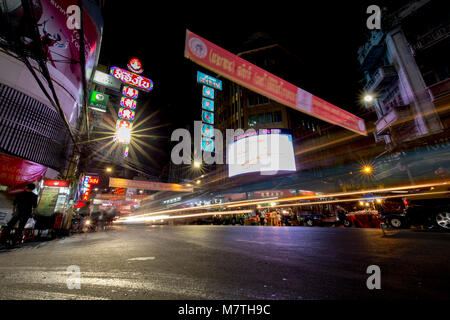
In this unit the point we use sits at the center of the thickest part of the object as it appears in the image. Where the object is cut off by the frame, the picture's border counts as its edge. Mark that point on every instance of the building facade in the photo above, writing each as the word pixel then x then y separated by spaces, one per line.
pixel 406 70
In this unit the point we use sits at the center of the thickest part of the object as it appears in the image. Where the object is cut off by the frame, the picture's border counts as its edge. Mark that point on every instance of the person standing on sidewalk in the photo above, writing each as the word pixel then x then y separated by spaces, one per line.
pixel 24 207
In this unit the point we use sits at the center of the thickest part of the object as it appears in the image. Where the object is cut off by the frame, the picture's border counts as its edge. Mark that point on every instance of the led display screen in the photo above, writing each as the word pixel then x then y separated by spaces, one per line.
pixel 266 151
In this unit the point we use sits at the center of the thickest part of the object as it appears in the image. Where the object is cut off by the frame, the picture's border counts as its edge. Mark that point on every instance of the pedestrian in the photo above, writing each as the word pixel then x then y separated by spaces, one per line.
pixel 261 218
pixel 24 207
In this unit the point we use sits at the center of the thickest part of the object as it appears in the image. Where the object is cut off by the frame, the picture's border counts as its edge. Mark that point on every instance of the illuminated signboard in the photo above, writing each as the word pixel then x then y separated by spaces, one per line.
pixel 131 78
pixel 98 101
pixel 208 104
pixel 130 92
pixel 126 114
pixel 56 183
pixel 106 80
pixel 208 117
pixel 135 65
pixel 208 144
pixel 246 74
pixel 207 130
pixel 266 150
pixel 124 124
pixel 209 81
pixel 208 92
pixel 86 186
pixel 128 103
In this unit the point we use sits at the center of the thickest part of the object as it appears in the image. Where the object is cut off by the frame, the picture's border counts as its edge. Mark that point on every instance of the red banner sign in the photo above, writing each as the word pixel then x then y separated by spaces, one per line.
pixel 56 183
pixel 132 78
pixel 16 171
pixel 248 75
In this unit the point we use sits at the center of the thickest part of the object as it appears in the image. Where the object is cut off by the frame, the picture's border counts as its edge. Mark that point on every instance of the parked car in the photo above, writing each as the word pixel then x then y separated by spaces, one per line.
pixel 430 213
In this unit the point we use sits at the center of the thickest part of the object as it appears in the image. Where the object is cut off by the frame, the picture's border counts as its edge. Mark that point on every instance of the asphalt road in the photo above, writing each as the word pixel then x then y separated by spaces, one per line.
pixel 230 262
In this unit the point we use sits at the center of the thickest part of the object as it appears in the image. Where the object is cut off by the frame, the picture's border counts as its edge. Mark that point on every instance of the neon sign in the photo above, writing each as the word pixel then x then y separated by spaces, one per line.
pixel 209 81
pixel 208 92
pixel 208 117
pixel 130 92
pixel 207 130
pixel 126 114
pixel 131 78
pixel 124 124
pixel 86 186
pixel 208 104
pixel 208 144
pixel 135 65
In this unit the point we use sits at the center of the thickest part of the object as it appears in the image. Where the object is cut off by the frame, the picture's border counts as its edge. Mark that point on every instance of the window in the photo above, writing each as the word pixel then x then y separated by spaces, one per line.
pixel 277 116
pixel 252 120
pixel 269 117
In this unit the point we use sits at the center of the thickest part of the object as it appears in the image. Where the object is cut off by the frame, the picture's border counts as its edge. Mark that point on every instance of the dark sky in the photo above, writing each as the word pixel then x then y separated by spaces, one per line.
pixel 324 34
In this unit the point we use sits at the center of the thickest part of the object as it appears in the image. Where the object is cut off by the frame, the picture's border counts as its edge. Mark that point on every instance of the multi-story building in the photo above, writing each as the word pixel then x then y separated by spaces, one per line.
pixel 406 70
pixel 318 145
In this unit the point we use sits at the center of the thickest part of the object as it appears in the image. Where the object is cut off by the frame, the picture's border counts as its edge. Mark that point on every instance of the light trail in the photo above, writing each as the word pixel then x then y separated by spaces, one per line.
pixel 196 208
pixel 343 194
pixel 167 217
pixel 351 200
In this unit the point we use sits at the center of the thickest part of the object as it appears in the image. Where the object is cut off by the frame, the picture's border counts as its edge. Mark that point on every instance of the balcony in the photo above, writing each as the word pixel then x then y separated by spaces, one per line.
pixel 439 90
pixel 398 115
pixel 381 78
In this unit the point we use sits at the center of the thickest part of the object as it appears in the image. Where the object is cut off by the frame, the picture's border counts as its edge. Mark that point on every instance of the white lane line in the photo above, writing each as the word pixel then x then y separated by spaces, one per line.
pixel 141 259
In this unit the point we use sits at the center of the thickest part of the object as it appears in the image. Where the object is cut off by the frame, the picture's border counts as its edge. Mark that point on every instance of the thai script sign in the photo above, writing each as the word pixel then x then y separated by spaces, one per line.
pixel 248 75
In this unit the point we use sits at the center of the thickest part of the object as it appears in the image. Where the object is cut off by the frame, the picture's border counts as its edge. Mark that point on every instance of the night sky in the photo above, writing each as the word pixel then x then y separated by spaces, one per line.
pixel 325 35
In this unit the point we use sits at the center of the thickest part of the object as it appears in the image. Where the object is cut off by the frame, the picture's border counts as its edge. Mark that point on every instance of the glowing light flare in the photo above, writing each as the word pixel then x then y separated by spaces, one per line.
pixel 123 135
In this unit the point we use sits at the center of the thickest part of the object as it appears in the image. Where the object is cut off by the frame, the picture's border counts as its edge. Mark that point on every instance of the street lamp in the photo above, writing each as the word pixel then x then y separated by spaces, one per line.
pixel 109 169
pixel 367 169
pixel 368 98
pixel 197 164
pixel 197 182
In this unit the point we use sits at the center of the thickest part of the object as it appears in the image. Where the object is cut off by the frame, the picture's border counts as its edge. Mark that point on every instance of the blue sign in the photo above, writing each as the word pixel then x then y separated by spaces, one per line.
pixel 207 145
pixel 208 92
pixel 209 81
pixel 208 104
pixel 207 130
pixel 208 117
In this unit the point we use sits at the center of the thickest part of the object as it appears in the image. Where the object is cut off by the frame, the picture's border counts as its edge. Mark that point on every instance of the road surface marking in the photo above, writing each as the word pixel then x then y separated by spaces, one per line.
pixel 141 259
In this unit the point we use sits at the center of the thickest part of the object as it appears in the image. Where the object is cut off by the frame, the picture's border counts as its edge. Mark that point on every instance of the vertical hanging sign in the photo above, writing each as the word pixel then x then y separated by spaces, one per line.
pixel 210 84
pixel 133 82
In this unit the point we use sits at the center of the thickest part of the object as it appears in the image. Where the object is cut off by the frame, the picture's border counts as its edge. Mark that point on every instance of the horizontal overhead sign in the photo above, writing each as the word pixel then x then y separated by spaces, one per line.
pixel 147 185
pixel 248 75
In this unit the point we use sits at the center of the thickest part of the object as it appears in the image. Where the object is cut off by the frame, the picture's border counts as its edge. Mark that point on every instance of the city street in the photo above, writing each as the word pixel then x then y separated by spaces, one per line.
pixel 230 262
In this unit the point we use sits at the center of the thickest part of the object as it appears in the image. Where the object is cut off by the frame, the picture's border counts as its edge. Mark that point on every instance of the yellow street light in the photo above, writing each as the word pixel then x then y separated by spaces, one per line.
pixel 367 169
pixel 197 182
pixel 197 164
pixel 109 169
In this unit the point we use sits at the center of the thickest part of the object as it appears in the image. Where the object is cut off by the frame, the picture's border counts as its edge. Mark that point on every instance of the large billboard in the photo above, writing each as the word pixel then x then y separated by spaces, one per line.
pixel 266 151
pixel 248 75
